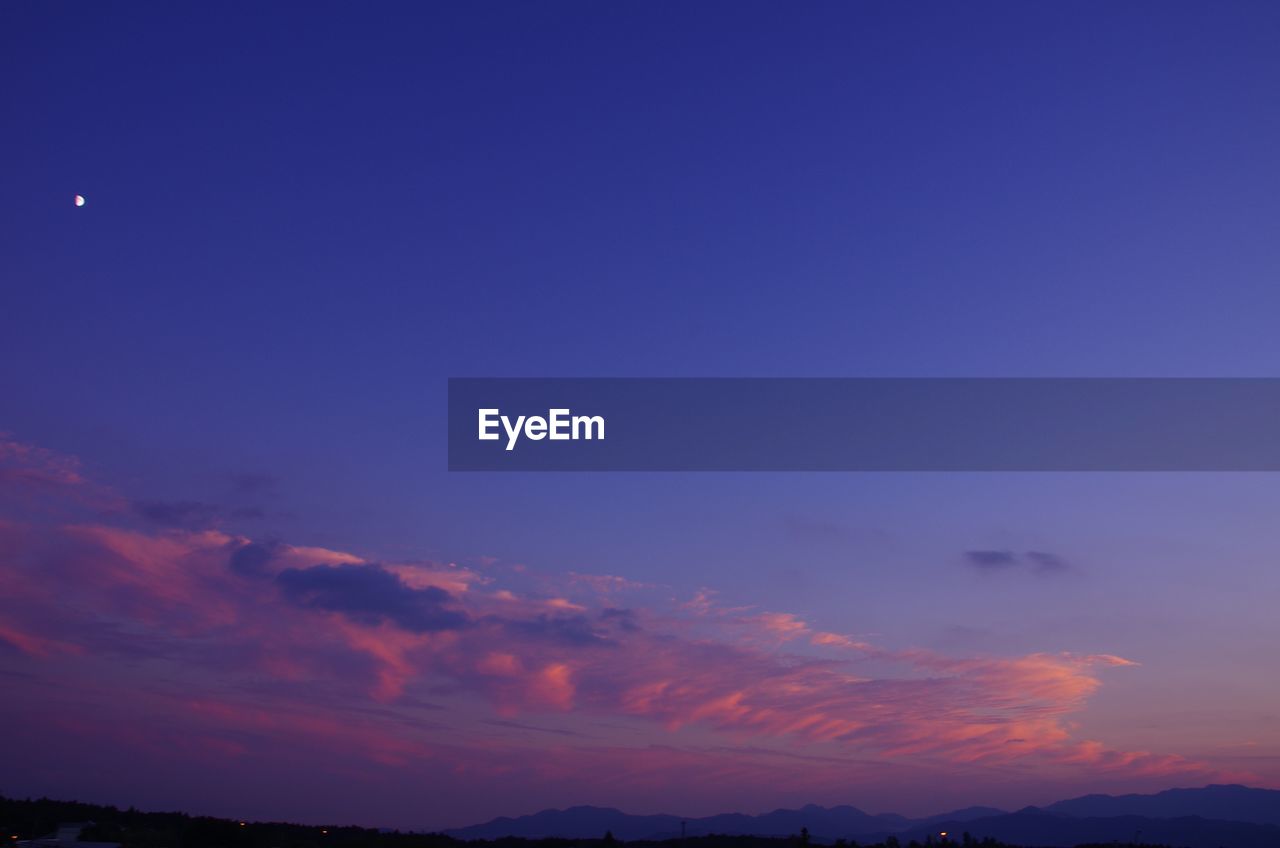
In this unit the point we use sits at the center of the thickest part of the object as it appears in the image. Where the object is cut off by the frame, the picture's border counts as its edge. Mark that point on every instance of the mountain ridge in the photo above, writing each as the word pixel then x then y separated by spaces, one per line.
pixel 1048 830
pixel 1211 809
pixel 1227 802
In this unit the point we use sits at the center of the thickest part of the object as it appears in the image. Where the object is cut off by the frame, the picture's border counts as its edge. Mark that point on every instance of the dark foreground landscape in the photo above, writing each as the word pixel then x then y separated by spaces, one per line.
pixel 1209 817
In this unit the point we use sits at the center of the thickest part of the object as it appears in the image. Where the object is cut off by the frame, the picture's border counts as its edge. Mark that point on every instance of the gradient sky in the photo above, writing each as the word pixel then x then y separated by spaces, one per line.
pixel 235 577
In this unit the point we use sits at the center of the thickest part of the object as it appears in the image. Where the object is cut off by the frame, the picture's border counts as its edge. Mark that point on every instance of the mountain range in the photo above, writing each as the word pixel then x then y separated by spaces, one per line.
pixel 1208 817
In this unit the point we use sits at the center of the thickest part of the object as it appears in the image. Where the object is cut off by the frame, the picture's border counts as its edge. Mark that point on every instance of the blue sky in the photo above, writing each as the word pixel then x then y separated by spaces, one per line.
pixel 301 219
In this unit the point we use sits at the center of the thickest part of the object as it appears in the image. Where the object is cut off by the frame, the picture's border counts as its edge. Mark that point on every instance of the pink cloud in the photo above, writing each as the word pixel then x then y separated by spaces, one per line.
pixel 558 656
pixel 351 666
pixel 28 464
pixel 33 645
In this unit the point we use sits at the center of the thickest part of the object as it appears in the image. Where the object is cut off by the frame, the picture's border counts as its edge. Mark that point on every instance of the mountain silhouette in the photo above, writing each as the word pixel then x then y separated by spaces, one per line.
pixel 1049 830
pixel 591 822
pixel 1208 817
pixel 1230 803
pixel 965 815
pixel 573 823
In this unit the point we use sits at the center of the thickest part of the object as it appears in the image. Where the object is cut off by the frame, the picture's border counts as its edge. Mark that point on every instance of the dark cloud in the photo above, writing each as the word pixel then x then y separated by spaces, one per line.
pixel 369 594
pixel 991 560
pixel 573 629
pixel 1041 562
pixel 251 560
pixel 623 618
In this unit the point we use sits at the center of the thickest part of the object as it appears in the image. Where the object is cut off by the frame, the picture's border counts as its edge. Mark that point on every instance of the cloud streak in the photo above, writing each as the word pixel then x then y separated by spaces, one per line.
pixel 360 619
pixel 994 561
pixel 259 642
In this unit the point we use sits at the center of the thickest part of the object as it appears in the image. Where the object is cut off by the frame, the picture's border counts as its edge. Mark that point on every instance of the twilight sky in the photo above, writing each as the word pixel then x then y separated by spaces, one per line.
pixel 235 577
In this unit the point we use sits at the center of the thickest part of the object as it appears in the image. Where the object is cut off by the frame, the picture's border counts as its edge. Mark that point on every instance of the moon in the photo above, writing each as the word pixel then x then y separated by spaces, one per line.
pixel 79 200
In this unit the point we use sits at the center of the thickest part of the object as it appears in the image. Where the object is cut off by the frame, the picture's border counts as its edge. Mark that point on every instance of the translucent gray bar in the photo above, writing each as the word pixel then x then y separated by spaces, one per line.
pixel 820 424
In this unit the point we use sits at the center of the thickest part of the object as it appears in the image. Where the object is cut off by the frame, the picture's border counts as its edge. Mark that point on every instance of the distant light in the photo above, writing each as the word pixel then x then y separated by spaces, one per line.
pixel 79 200
pixel 242 824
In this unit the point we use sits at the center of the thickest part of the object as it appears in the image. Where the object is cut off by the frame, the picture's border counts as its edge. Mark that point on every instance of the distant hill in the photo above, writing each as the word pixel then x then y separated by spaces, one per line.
pixel 573 823
pixel 1206 816
pixel 832 822
pixel 827 823
pixel 1041 828
pixel 965 815
pixel 1230 803
pixel 585 827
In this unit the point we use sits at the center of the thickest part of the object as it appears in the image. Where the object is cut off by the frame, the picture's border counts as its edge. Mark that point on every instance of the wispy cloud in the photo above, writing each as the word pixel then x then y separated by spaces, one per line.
pixel 1039 562
pixel 223 614
pixel 991 560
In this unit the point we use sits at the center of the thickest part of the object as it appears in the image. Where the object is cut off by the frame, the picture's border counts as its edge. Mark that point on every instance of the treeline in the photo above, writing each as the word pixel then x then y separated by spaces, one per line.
pixel 32 819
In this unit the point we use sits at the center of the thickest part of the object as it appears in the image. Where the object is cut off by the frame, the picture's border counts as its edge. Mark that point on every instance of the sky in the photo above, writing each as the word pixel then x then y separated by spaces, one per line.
pixel 237 579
